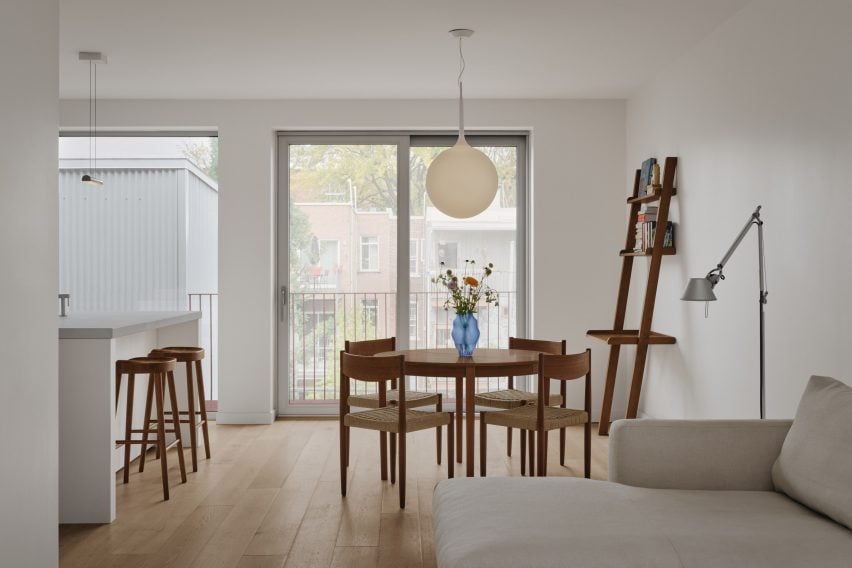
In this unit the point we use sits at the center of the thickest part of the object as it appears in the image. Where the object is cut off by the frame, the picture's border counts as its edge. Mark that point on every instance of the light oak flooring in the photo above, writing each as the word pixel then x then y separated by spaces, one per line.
pixel 270 497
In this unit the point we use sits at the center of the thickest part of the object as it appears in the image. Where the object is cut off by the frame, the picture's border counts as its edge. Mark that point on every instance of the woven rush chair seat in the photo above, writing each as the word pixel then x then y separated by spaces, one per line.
pixel 524 417
pixel 413 399
pixel 387 419
pixel 510 398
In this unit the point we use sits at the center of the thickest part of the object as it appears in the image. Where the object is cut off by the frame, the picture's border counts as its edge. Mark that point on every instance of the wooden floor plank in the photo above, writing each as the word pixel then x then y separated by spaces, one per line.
pixel 360 520
pixel 276 533
pixel 187 541
pixel 226 546
pixel 270 497
pixel 355 557
pixel 315 542
pixel 399 542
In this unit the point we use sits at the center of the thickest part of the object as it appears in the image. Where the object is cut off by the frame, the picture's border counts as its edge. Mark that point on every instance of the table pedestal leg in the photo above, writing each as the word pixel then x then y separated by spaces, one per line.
pixel 470 389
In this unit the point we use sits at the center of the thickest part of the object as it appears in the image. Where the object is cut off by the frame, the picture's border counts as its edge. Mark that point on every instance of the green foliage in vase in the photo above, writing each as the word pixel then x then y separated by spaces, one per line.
pixel 464 291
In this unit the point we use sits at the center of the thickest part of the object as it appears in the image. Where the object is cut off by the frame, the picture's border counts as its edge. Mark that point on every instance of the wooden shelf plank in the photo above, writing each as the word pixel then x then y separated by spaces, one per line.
pixel 648 198
pixel 668 251
pixel 629 337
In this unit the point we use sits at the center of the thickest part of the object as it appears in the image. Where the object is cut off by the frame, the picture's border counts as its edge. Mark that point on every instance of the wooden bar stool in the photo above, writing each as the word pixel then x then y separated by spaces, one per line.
pixel 160 371
pixel 196 416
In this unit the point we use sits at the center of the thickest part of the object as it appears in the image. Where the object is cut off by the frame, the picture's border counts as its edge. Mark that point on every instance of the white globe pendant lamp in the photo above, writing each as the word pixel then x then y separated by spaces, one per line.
pixel 461 181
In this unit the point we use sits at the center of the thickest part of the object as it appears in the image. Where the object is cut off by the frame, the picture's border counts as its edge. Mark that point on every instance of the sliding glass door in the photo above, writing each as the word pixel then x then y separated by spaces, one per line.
pixel 359 243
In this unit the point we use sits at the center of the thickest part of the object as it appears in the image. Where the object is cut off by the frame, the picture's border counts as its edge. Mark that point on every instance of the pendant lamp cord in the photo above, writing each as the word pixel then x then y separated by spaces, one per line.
pixel 93 118
pixel 91 149
pixel 462 65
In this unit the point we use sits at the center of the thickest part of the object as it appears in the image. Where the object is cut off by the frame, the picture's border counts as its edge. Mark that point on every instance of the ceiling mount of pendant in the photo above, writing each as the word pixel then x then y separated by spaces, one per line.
pixel 93 56
pixel 461 32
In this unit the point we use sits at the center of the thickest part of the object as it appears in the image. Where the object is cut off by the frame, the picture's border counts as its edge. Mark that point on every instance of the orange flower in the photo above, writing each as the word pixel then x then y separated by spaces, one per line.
pixel 471 281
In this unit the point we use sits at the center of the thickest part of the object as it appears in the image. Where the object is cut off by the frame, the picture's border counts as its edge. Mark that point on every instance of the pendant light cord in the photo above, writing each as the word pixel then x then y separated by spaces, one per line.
pixel 91 149
pixel 95 121
pixel 462 66
pixel 93 118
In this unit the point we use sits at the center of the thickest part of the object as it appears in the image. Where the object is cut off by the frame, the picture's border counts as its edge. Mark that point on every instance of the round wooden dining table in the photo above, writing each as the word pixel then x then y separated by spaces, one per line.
pixel 483 363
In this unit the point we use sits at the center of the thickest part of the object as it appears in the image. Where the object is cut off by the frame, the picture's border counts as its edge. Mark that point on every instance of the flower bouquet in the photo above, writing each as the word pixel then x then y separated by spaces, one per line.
pixel 465 292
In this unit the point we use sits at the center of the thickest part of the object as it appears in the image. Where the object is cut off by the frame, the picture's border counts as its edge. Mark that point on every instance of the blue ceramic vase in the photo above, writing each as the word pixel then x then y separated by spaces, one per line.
pixel 465 334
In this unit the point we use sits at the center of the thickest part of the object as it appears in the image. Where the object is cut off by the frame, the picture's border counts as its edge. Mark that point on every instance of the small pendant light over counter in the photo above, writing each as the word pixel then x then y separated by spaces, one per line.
pixel 93 58
pixel 461 181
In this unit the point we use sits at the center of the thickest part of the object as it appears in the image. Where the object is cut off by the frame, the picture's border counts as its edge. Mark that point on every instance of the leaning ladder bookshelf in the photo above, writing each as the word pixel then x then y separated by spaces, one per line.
pixel 643 337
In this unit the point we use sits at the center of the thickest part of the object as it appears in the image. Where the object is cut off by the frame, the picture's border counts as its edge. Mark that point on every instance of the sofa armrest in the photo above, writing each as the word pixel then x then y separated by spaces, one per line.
pixel 696 454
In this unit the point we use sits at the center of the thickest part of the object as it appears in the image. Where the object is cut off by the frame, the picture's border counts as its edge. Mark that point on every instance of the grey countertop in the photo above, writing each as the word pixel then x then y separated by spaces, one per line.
pixel 107 325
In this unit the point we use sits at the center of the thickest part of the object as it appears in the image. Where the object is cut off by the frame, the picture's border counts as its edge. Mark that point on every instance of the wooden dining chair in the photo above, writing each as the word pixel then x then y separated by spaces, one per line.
pixel 397 420
pixel 513 398
pixel 540 418
pixel 414 399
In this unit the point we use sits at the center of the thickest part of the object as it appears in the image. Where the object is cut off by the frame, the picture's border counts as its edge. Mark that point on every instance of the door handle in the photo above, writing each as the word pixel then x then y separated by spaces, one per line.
pixel 282 302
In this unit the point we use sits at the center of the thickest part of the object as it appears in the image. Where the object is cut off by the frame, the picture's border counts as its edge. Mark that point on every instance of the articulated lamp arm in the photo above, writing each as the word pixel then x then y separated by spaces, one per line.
pixel 716 275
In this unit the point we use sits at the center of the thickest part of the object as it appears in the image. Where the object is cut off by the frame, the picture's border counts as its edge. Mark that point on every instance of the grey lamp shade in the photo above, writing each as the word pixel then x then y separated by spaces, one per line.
pixel 699 290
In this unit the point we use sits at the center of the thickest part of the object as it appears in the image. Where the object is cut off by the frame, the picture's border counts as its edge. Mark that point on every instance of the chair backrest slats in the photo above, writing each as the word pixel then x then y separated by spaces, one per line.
pixel 565 367
pixel 371 369
pixel 540 345
pixel 370 346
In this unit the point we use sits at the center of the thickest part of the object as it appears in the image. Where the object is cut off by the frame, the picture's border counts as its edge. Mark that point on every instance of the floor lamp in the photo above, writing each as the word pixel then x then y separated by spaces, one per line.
pixel 701 290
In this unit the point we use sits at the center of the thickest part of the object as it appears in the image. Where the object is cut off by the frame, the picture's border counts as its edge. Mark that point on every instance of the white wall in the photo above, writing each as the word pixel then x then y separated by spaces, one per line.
pixel 29 33
pixel 578 166
pixel 760 112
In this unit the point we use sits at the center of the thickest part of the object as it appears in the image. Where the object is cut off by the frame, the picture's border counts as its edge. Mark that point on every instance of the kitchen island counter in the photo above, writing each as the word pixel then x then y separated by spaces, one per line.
pixel 107 325
pixel 89 345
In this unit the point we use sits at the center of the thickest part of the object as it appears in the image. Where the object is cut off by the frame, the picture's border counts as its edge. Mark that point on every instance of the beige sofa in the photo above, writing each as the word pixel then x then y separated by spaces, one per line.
pixel 681 494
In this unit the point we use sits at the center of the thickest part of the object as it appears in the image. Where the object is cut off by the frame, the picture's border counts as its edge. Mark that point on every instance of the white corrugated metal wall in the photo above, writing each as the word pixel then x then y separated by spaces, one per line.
pixel 141 242
pixel 202 206
pixel 119 244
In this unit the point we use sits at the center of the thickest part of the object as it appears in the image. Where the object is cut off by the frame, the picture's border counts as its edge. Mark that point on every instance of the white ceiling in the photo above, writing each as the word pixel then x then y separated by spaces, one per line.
pixel 377 48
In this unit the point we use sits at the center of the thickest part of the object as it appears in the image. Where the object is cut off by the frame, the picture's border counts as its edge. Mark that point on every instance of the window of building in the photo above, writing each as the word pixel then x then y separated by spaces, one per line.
pixel 370 253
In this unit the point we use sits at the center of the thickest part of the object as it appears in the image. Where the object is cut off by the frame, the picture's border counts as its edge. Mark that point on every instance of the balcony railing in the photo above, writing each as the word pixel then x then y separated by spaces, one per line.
pixel 208 304
pixel 321 322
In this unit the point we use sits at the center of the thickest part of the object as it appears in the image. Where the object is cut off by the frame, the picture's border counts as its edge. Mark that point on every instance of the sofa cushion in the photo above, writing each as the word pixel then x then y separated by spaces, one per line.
pixel 815 463
pixel 571 522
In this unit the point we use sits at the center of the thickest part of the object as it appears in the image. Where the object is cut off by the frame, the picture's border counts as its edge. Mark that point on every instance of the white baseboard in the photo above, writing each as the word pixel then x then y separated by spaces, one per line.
pixel 223 417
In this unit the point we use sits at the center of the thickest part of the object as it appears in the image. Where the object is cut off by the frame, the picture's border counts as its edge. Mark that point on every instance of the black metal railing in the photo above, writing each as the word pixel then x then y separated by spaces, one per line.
pixel 321 322
pixel 208 304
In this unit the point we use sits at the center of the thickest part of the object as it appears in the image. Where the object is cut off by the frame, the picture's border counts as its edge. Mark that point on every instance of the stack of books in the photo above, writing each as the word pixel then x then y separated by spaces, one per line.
pixel 646 230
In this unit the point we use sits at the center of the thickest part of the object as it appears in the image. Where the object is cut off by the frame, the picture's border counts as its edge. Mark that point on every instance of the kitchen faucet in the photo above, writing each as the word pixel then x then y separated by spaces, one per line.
pixel 64 300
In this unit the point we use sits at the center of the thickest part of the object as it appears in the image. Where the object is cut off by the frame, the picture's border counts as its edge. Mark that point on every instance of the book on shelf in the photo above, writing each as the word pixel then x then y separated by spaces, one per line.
pixel 647 213
pixel 645 175
pixel 646 232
